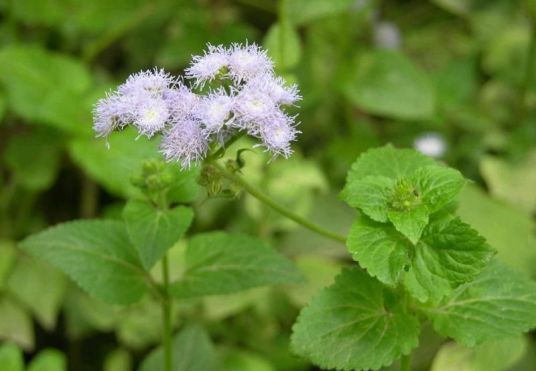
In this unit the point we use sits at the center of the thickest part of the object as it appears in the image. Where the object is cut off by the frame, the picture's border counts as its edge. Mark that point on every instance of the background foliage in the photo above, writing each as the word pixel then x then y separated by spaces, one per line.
pixel 371 72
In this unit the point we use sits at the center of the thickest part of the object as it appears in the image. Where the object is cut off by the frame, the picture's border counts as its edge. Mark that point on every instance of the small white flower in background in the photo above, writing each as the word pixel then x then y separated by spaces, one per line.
pixel 387 36
pixel 248 97
pixel 431 144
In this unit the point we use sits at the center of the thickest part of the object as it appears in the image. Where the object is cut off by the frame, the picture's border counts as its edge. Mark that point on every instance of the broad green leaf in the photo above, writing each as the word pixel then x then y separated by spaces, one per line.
pixel 507 229
pixel 449 253
pixel 114 165
pixel 283 45
pixel 15 324
pixel 499 303
pixel 222 263
pixel 378 248
pixel 39 287
pixel 35 158
pixel 96 254
pixel 372 195
pixel 44 87
pixel 387 83
pixel 153 231
pixel 11 358
pixel 192 351
pixel 410 223
pixel 48 360
pixel 389 162
pixel 437 186
pixel 491 356
pixel 354 324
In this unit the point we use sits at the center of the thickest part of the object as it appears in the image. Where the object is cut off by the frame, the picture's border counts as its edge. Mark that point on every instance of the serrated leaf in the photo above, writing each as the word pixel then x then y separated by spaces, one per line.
pixel 410 223
pixel 387 83
pixel 48 360
pixel 449 253
pixel 153 231
pixel 11 358
pixel 389 162
pixel 437 186
pixel 223 263
pixel 192 351
pixel 381 250
pixel 349 325
pixel 372 195
pixel 97 254
pixel 499 303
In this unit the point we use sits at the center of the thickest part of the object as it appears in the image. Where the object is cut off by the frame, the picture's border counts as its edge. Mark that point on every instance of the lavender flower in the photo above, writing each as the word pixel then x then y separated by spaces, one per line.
pixel 206 67
pixel 247 62
pixel 249 98
pixel 215 110
pixel 185 143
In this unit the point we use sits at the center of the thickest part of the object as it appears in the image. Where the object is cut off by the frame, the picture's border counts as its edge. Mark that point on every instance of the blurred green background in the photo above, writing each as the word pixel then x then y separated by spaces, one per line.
pixel 455 78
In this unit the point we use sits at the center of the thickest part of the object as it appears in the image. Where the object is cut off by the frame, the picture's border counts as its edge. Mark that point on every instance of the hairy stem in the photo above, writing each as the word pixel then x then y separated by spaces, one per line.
pixel 166 316
pixel 252 190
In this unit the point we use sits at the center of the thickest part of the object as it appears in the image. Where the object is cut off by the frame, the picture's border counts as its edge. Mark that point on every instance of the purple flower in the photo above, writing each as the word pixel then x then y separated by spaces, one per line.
pixel 215 110
pixel 151 83
pixel 185 143
pixel 205 68
pixel 277 135
pixel 182 102
pixel 111 113
pixel 150 116
pixel 247 62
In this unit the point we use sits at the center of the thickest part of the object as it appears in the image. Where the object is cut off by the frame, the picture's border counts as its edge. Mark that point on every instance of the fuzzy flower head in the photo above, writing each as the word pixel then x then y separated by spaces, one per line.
pixel 244 95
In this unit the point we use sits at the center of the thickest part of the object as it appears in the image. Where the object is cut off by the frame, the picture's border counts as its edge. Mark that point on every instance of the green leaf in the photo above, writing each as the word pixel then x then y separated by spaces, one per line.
pixel 8 254
pixel 372 195
pixel 192 351
pixel 381 250
pixel 410 223
pixel 354 324
pixel 118 360
pixel 491 356
pixel 509 230
pixel 115 165
pixel 449 253
pixel 35 158
pixel 387 83
pixel 389 162
pixel 499 303
pixel 48 360
pixel 222 263
pixel 246 361
pixel 46 87
pixel 283 45
pixel 15 324
pixel 11 358
pixel 305 11
pixel 96 254
pixel 437 186
pixel 153 231
pixel 39 287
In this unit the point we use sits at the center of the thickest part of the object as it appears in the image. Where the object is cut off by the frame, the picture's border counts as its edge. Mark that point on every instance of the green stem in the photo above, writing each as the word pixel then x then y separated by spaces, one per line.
pixel 405 362
pixel 252 190
pixel 166 316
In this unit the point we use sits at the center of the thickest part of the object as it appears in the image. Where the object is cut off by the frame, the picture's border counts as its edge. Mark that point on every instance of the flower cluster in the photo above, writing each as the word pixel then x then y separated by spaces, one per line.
pixel 232 89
